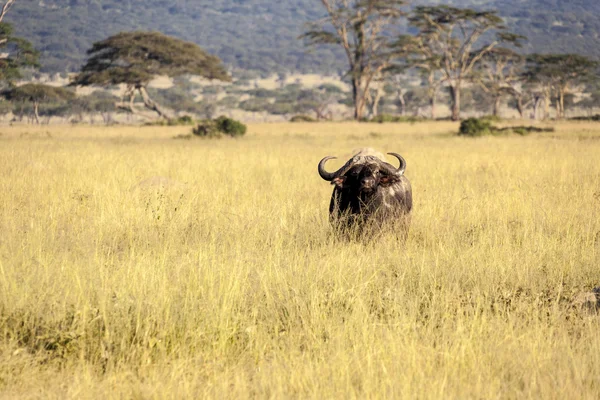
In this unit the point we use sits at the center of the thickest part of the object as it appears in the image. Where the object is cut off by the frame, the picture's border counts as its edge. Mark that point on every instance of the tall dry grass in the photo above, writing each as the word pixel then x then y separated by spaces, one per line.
pixel 224 280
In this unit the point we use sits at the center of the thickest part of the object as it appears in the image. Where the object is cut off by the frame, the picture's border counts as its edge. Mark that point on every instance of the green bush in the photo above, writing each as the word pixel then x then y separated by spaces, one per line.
pixel 230 126
pixel 179 121
pixel 183 120
pixel 476 127
pixel 207 129
pixel 595 117
pixel 302 118
pixel 219 127
pixel 482 126
pixel 381 118
pixel 526 130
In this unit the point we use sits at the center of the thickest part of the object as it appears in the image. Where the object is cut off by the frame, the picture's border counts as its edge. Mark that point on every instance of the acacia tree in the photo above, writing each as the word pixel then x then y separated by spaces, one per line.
pixel 15 53
pixel 98 102
pixel 451 36
pixel 37 94
pixel 500 73
pixel 135 58
pixel 359 27
pixel 558 75
pixel 417 52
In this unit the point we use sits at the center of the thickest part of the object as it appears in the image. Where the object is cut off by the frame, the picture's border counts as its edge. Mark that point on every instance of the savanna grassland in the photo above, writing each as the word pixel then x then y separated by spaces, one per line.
pixel 136 265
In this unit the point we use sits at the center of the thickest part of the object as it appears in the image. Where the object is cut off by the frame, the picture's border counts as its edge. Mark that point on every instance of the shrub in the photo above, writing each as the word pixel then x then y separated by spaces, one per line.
pixel 381 118
pixel 179 121
pixel 476 127
pixel 183 120
pixel 230 126
pixel 207 129
pixel 302 118
pixel 525 130
pixel 218 127
pixel 595 117
pixel 481 126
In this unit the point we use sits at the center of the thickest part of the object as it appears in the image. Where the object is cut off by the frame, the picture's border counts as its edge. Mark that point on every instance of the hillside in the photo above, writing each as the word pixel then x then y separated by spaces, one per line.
pixel 262 34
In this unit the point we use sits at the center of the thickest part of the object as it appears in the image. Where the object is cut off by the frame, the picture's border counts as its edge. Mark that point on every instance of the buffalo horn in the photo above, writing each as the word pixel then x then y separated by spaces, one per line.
pixel 401 168
pixel 328 176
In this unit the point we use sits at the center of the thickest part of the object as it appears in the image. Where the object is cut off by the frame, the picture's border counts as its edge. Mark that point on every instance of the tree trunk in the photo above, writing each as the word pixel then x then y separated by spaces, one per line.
pixel 536 105
pixel 36 112
pixel 151 104
pixel 455 96
pixel 432 103
pixel 561 104
pixel 355 97
pixel 496 107
pixel 375 107
pixel 376 100
pixel 106 118
pixel 546 105
pixel 127 106
pixel 320 112
pixel 402 101
pixel 520 107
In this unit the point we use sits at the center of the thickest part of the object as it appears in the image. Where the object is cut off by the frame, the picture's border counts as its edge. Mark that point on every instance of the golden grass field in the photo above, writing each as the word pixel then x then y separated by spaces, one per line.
pixel 225 280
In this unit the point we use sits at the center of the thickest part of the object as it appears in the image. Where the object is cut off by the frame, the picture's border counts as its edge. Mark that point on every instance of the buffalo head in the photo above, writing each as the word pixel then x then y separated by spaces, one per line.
pixel 368 189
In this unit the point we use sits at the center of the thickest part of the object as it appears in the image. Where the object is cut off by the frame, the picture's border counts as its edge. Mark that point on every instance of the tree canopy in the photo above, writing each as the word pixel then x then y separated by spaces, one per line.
pixel 455 40
pixel 135 58
pixel 260 35
pixel 36 94
pixel 359 28
pixel 558 74
pixel 16 52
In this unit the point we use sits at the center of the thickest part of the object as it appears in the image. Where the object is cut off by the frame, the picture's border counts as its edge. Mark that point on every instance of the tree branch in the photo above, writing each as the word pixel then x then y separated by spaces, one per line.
pixel 5 8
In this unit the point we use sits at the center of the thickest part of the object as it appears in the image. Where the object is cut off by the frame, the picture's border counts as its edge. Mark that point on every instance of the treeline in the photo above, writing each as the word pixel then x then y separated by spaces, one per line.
pixel 459 56
pixel 451 48
pixel 261 35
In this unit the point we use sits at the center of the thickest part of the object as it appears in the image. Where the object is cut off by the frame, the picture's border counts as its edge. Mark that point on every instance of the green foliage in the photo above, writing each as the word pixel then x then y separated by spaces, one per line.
pixel 96 102
pixel 560 69
pixel 63 30
pixel 255 105
pixel 6 107
pixel 184 120
pixel 229 102
pixel 359 28
pixel 230 126
pixel 595 117
pixel 207 129
pixel 302 118
pixel 381 118
pixel 293 99
pixel 475 127
pixel 38 93
pixel 19 53
pixel 217 128
pixel 526 130
pixel 134 58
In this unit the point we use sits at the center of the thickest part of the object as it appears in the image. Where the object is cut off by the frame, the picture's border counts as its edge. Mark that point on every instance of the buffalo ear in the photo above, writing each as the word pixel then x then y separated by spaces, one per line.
pixel 339 182
pixel 388 180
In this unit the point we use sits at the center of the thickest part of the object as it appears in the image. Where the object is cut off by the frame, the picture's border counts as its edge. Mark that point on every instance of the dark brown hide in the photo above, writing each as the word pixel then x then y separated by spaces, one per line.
pixel 368 193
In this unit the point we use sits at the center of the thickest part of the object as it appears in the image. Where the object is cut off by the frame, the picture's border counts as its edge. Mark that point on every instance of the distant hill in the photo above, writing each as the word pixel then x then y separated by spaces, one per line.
pixel 262 34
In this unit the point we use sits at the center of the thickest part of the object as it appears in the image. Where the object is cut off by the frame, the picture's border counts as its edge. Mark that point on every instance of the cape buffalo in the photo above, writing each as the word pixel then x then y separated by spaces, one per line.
pixel 368 192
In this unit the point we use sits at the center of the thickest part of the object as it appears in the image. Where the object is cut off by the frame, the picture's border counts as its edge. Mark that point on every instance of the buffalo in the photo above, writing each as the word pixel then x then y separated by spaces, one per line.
pixel 369 192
